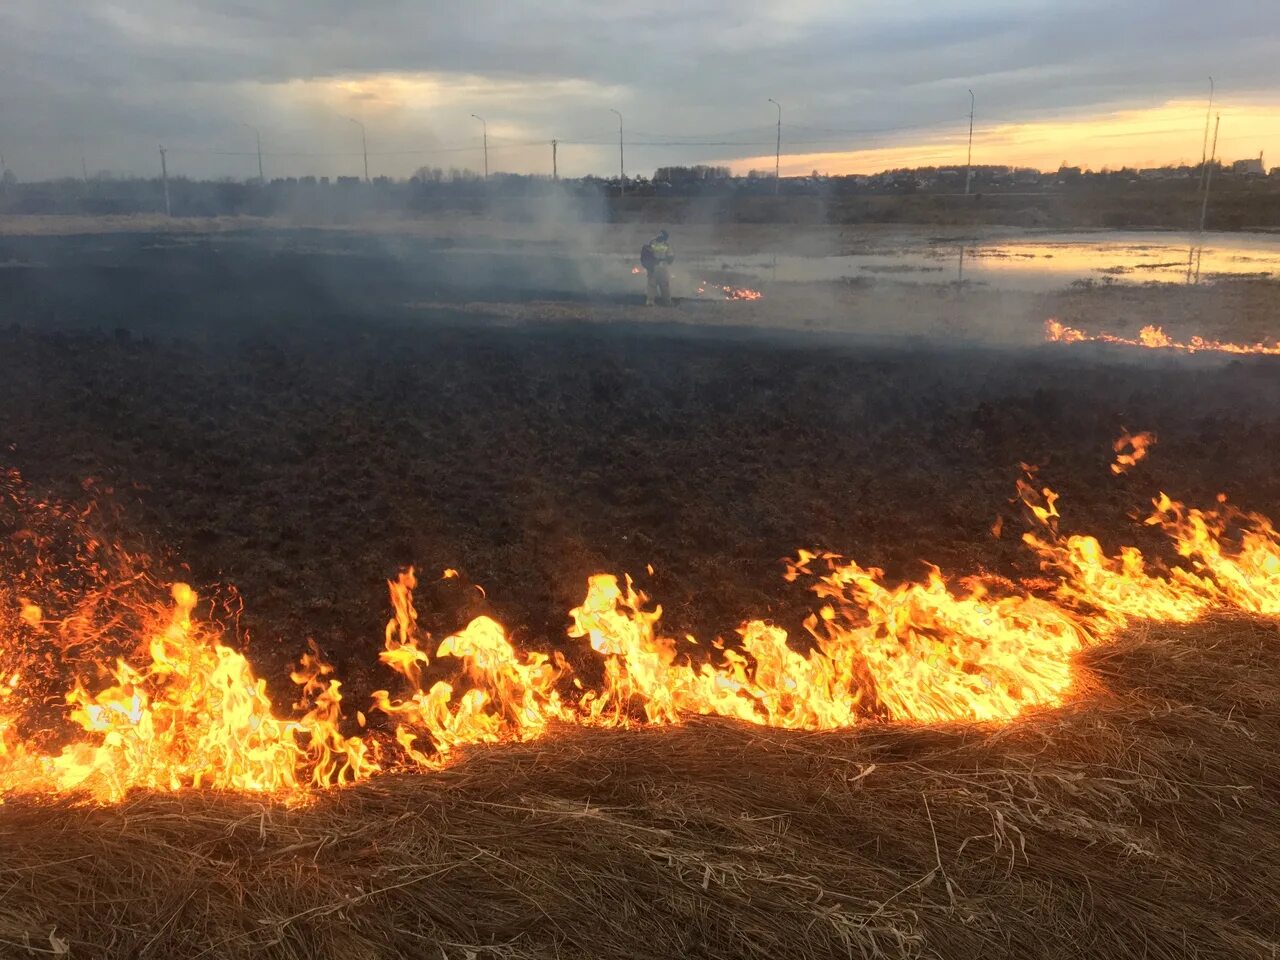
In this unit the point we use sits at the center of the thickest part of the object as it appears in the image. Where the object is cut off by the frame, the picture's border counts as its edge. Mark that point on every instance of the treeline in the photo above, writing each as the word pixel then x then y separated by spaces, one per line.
pixel 998 195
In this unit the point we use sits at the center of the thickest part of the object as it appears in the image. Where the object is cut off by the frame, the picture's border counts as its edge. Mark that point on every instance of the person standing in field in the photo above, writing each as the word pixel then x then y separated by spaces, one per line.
pixel 656 258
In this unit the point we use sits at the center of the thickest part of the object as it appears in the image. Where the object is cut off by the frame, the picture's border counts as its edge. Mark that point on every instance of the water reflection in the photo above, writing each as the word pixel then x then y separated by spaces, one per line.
pixel 1193 256
pixel 1039 263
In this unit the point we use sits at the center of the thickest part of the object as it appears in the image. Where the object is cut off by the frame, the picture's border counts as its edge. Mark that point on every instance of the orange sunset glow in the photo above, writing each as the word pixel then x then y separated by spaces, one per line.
pixel 1141 137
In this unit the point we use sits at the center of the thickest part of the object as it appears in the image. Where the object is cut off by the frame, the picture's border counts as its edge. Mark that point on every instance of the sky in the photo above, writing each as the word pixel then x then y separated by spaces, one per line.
pixel 99 85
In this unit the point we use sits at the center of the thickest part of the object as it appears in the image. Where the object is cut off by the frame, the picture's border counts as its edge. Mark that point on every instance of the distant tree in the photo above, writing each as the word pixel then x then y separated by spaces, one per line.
pixel 694 174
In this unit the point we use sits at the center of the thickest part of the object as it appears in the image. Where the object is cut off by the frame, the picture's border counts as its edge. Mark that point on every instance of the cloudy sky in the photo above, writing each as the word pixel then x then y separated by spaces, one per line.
pixel 863 85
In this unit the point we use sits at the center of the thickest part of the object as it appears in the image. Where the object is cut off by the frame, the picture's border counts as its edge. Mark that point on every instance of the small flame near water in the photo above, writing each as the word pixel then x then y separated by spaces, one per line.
pixel 1154 338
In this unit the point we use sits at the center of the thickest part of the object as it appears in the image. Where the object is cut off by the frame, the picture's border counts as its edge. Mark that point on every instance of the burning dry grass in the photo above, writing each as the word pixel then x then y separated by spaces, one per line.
pixel 1137 821
pixel 1154 338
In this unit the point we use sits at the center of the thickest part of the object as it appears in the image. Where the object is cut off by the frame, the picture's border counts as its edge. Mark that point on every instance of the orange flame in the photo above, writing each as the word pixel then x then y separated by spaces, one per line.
pixel 194 715
pixel 1137 445
pixel 730 292
pixel 1155 338
pixel 191 713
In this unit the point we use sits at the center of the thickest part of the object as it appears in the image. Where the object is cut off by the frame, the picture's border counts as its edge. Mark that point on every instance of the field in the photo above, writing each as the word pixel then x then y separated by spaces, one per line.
pixel 300 414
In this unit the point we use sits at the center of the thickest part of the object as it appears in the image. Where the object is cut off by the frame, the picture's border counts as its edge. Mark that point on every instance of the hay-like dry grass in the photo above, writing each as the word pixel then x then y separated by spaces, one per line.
pixel 1142 821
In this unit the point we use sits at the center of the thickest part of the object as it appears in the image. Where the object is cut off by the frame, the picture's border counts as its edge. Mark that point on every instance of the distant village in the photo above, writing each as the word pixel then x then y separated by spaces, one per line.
pixel 952 179
pixel 435 188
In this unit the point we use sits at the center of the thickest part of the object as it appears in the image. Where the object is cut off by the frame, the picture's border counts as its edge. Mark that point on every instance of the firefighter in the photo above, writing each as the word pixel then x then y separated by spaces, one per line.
pixel 656 258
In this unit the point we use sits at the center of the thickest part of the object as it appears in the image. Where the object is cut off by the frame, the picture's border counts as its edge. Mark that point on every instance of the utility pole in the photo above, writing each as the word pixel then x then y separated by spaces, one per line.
pixel 164 178
pixel 258 137
pixel 777 154
pixel 968 164
pixel 622 160
pixel 555 163
pixel 364 145
pixel 485 134
pixel 1208 177
pixel 84 169
pixel 1204 155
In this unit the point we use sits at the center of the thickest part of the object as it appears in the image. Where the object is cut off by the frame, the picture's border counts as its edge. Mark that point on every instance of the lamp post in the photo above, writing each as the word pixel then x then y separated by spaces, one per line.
pixel 777 155
pixel 364 146
pixel 968 164
pixel 258 138
pixel 622 160
pixel 1204 149
pixel 485 127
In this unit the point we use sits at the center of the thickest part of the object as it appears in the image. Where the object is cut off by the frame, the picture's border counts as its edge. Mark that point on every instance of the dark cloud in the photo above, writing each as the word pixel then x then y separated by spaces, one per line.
pixel 111 78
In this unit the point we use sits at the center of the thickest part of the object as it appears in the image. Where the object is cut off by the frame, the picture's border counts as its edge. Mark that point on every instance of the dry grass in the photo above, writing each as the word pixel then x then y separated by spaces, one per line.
pixel 1143 821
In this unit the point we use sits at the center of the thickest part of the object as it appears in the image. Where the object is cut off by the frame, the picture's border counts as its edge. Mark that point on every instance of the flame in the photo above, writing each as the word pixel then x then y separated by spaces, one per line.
pixel 194 714
pixel 185 710
pixel 1108 592
pixel 1137 445
pixel 730 292
pixel 636 270
pixel 1155 338
pixel 507 696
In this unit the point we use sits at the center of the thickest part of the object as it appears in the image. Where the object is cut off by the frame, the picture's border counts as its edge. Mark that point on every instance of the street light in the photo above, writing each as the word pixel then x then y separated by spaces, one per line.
pixel 485 127
pixel 777 156
pixel 364 145
pixel 1204 150
pixel 622 161
pixel 258 137
pixel 968 164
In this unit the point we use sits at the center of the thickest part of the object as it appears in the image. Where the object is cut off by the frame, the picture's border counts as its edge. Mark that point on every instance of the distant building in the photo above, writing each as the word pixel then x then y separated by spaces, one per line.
pixel 1253 167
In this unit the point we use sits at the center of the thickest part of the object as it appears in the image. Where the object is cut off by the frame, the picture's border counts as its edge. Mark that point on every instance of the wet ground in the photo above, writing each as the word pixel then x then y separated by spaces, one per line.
pixel 1038 261
pixel 299 421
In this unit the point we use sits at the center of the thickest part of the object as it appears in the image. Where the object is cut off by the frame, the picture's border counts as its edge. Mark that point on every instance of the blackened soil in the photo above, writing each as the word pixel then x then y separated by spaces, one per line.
pixel 306 460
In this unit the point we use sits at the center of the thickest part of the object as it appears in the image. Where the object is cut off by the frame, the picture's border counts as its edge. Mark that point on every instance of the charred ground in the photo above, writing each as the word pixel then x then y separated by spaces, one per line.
pixel 281 422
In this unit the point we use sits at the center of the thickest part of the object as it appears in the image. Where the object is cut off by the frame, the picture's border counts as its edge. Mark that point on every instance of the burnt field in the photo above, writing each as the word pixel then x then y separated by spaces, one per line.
pixel 1079 760
pixel 277 419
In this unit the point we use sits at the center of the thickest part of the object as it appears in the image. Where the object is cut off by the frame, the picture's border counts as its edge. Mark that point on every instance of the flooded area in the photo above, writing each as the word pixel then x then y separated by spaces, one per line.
pixel 1030 263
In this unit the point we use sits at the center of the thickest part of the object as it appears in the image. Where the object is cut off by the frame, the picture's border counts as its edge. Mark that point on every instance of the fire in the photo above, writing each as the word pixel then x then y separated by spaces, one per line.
pixel 730 292
pixel 636 270
pixel 1107 593
pixel 1137 445
pixel 191 714
pixel 507 696
pixel 185 710
pixel 1155 338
